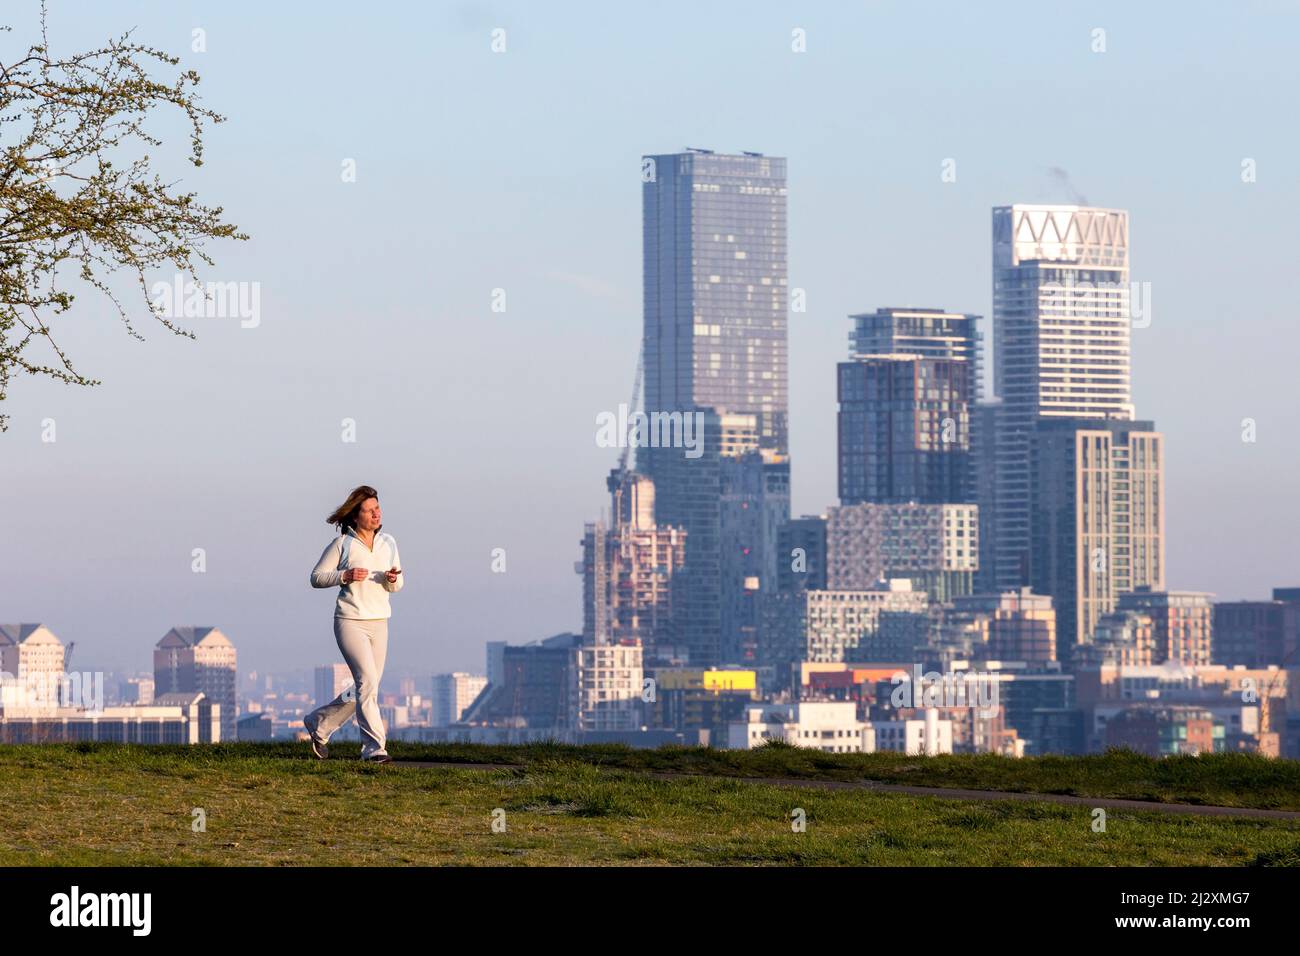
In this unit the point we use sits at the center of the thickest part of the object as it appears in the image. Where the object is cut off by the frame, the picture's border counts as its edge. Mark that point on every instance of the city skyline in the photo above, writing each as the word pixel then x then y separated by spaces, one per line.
pixel 546 435
pixel 452 496
pixel 1111 411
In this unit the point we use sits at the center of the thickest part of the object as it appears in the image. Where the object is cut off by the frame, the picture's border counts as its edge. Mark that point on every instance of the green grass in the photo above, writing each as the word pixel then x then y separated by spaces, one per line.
pixel 1228 780
pixel 273 804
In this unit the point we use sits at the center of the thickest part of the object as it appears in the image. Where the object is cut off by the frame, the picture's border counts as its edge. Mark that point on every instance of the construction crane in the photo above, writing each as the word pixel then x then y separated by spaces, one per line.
pixel 632 405
pixel 1266 694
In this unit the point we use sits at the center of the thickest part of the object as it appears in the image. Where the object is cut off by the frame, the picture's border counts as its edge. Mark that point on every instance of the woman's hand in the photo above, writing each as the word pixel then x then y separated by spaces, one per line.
pixel 391 575
pixel 355 574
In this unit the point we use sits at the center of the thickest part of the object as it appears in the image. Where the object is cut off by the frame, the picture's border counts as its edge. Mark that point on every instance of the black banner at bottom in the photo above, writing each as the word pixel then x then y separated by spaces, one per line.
pixel 305 904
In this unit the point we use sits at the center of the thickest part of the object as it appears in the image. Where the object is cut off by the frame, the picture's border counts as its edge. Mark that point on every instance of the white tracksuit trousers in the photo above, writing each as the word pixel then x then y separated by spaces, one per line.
pixel 364 645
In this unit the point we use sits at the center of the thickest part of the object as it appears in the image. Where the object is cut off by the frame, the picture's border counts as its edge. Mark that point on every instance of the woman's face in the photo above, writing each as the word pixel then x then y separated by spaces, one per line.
pixel 369 518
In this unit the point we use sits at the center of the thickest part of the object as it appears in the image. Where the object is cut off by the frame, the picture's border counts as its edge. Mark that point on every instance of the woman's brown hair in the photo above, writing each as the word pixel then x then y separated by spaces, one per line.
pixel 345 515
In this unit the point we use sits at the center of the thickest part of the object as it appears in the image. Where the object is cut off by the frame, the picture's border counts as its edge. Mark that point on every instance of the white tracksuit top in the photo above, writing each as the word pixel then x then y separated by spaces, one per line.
pixel 367 599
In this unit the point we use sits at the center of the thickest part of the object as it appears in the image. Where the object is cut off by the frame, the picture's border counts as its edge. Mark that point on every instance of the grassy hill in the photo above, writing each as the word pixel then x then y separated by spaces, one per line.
pixel 95 804
pixel 1228 780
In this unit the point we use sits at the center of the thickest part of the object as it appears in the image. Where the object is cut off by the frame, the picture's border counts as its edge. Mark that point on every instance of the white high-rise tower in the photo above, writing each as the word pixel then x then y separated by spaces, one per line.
pixel 1061 320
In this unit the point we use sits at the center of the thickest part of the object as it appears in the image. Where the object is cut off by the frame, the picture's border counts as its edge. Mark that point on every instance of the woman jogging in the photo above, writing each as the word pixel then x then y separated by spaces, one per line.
pixel 363 565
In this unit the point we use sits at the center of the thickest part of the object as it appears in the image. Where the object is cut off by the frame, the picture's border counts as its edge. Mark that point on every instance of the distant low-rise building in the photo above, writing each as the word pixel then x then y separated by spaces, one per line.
pixel 395 715
pixel 883 623
pixel 1106 689
pixel 562 684
pixel 700 699
pixel 1182 623
pixel 256 727
pixel 1237 726
pixel 183 718
pixel 1036 701
pixel 1013 626
pixel 829 726
pixel 136 690
pixel 1258 633
pixel 529 685
pixel 860 683
pixel 452 696
pixel 1163 731
pixel 966 703
pixel 331 680
pixel 916 735
pixel 1126 638
pixel 607 687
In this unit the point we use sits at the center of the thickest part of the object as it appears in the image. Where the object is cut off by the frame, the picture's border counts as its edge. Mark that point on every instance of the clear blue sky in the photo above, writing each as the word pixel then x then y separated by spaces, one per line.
pixel 520 171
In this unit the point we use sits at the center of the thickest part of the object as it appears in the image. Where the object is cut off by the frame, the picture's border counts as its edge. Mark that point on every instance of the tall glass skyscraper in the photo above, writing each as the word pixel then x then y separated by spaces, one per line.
pixel 715 342
pixel 904 430
pixel 1061 322
pixel 906 405
pixel 714 247
pixel 930 333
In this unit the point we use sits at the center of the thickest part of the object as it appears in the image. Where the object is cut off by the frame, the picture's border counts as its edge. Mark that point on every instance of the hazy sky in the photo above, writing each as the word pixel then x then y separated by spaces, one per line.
pixel 520 170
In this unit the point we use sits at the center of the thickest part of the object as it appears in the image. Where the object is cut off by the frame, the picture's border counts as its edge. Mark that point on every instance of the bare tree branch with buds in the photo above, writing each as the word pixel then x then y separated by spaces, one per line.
pixel 68 213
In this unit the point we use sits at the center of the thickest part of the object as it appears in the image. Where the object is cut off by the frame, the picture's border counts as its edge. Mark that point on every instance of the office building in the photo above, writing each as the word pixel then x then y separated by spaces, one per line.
pixel 30 651
pixel 530 685
pixel 1258 633
pixel 754 506
pixel 715 351
pixel 928 333
pixel 731 498
pixel 451 696
pixel 801 554
pixel 564 684
pixel 607 687
pixel 715 287
pixel 688 495
pixel 331 680
pixel 199 659
pixel 1036 700
pixel 800 567
pixel 906 398
pixel 904 430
